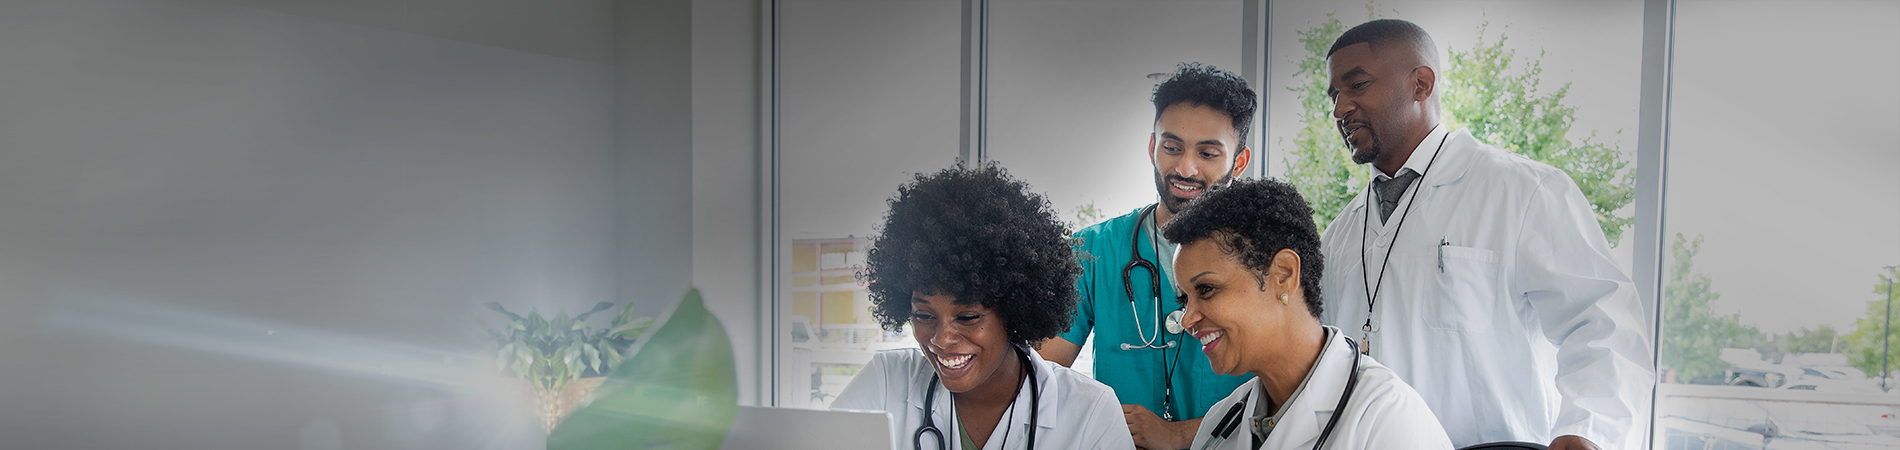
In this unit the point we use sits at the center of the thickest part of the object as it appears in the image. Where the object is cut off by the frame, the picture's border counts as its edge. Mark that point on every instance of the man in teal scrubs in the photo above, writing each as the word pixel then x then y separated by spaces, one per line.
pixel 1164 381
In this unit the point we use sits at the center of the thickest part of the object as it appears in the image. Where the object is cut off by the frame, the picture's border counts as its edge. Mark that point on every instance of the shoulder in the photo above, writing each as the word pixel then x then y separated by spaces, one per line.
pixel 1496 163
pixel 1075 388
pixel 1105 232
pixel 899 360
pixel 886 382
pixel 897 369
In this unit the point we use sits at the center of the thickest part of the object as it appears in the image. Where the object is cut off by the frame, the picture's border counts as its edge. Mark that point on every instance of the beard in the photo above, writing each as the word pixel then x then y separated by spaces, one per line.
pixel 1362 155
pixel 1173 203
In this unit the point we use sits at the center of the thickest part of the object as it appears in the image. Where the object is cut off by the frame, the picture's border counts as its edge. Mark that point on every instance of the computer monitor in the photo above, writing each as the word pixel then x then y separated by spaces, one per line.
pixel 809 429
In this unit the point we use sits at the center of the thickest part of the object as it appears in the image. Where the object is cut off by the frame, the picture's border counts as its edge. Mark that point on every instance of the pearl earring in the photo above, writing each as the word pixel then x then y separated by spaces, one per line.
pixel 1282 298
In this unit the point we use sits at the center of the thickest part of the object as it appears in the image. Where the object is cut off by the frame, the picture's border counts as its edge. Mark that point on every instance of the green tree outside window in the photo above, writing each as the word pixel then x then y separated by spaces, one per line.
pixel 1865 344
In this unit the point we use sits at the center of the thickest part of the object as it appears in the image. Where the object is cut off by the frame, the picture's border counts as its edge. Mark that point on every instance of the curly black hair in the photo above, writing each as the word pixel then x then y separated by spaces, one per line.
pixel 1252 220
pixel 980 236
pixel 1197 84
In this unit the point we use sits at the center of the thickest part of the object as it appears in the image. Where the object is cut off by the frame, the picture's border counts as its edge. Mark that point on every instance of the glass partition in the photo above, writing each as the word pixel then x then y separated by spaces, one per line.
pixel 868 95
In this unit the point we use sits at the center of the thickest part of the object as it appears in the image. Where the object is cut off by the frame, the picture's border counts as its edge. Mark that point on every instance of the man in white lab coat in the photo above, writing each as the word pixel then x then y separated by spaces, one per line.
pixel 1478 275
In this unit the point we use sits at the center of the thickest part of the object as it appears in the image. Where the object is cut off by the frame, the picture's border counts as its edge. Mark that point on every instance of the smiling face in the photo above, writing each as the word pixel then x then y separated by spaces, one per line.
pixel 968 344
pixel 1235 313
pixel 1226 307
pixel 1193 147
pixel 1383 102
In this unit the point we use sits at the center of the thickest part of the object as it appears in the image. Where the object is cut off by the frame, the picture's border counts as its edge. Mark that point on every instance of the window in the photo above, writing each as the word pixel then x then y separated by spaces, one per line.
pixel 1779 226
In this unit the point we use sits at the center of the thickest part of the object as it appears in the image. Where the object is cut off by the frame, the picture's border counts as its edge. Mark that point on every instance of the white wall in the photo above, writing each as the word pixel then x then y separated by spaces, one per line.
pixel 725 161
pixel 652 79
pixel 265 224
pixel 1070 98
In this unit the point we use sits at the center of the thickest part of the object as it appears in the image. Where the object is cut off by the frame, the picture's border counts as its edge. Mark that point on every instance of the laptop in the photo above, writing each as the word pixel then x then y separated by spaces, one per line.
pixel 758 427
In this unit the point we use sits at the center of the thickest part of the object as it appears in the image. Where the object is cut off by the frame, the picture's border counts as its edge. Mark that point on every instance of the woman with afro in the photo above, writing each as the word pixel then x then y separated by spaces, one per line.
pixel 980 268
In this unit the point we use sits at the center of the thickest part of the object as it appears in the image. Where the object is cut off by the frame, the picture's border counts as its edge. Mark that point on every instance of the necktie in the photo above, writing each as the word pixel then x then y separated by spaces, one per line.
pixel 1391 190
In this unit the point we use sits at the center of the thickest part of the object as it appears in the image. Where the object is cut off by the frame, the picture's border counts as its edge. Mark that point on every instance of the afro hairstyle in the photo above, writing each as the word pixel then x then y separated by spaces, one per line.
pixel 1252 220
pixel 982 237
pixel 1197 84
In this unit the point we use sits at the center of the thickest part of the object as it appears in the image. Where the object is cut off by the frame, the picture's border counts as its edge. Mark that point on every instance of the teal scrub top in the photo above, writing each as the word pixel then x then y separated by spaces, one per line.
pixel 1136 374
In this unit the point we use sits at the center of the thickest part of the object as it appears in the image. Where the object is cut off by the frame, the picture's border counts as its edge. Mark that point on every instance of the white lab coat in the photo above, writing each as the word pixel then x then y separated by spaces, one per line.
pixel 1075 412
pixel 1383 412
pixel 1529 331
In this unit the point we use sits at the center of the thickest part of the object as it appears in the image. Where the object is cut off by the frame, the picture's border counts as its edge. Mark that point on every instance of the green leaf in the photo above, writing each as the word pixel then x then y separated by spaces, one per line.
pixel 524 361
pixel 631 330
pixel 570 357
pixel 593 357
pixel 614 358
pixel 598 307
pixel 626 314
pixel 497 308
pixel 504 357
pixel 679 391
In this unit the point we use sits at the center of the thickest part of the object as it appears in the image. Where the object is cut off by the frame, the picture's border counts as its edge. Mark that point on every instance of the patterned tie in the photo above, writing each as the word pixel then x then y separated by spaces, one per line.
pixel 1390 190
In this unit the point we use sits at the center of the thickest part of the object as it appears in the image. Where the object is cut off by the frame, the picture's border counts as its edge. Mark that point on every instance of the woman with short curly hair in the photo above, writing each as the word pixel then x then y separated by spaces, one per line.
pixel 1249 269
pixel 980 268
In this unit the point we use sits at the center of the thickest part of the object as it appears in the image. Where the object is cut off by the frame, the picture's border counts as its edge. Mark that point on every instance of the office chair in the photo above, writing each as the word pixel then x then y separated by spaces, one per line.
pixel 1507 445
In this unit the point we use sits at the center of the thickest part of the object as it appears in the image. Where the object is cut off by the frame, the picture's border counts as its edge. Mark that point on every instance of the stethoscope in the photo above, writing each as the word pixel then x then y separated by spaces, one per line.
pixel 1154 286
pixel 930 398
pixel 1232 419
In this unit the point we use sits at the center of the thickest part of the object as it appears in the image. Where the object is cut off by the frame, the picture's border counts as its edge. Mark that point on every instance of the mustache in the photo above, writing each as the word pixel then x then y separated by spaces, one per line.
pixel 1342 124
pixel 1185 180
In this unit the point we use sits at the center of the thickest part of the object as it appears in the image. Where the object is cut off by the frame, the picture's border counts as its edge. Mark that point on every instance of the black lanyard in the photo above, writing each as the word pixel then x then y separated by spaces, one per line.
pixel 1372 287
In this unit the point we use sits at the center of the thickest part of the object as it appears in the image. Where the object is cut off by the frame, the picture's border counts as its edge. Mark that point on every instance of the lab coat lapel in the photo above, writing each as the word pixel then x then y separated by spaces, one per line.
pixel 1453 161
pixel 1047 409
pixel 1454 158
pixel 1314 406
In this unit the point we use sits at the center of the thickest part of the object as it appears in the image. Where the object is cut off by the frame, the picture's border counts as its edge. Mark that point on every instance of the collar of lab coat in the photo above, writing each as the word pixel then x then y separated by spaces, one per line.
pixel 1450 167
pixel 1049 408
pixel 1314 405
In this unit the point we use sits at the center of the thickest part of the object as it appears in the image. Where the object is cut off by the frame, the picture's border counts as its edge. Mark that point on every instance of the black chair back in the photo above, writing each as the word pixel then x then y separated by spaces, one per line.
pixel 1507 445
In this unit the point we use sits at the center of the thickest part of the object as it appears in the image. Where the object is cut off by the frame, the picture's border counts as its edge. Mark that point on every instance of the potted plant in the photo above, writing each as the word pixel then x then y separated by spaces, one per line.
pixel 563 359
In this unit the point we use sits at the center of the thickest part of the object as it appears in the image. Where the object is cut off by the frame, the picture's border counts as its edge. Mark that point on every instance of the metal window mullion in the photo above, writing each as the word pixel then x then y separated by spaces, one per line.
pixel 769 256
pixel 975 84
pixel 1652 164
pixel 1254 62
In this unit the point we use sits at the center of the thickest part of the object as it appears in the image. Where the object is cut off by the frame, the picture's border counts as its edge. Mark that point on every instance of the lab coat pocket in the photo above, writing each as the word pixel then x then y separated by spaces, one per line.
pixel 1465 287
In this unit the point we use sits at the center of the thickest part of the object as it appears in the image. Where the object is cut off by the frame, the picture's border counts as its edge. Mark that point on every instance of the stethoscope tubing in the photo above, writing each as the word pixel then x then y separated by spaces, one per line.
pixel 1154 284
pixel 930 396
pixel 1232 419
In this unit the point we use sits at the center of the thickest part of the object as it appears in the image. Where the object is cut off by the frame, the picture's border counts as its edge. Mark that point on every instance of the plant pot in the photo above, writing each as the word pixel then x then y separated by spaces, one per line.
pixel 552 406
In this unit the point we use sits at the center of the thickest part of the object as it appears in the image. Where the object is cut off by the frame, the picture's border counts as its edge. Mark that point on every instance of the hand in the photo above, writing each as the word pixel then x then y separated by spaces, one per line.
pixel 1150 432
pixel 1569 442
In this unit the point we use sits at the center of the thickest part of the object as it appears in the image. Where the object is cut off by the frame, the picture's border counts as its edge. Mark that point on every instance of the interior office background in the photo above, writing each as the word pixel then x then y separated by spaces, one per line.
pixel 256 224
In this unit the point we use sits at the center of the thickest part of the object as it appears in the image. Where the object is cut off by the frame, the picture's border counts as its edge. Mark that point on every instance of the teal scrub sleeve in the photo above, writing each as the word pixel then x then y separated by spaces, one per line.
pixel 1084 322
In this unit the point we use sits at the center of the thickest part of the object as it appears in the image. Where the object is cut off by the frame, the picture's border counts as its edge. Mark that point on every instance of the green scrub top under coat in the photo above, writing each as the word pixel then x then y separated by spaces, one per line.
pixel 1136 374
